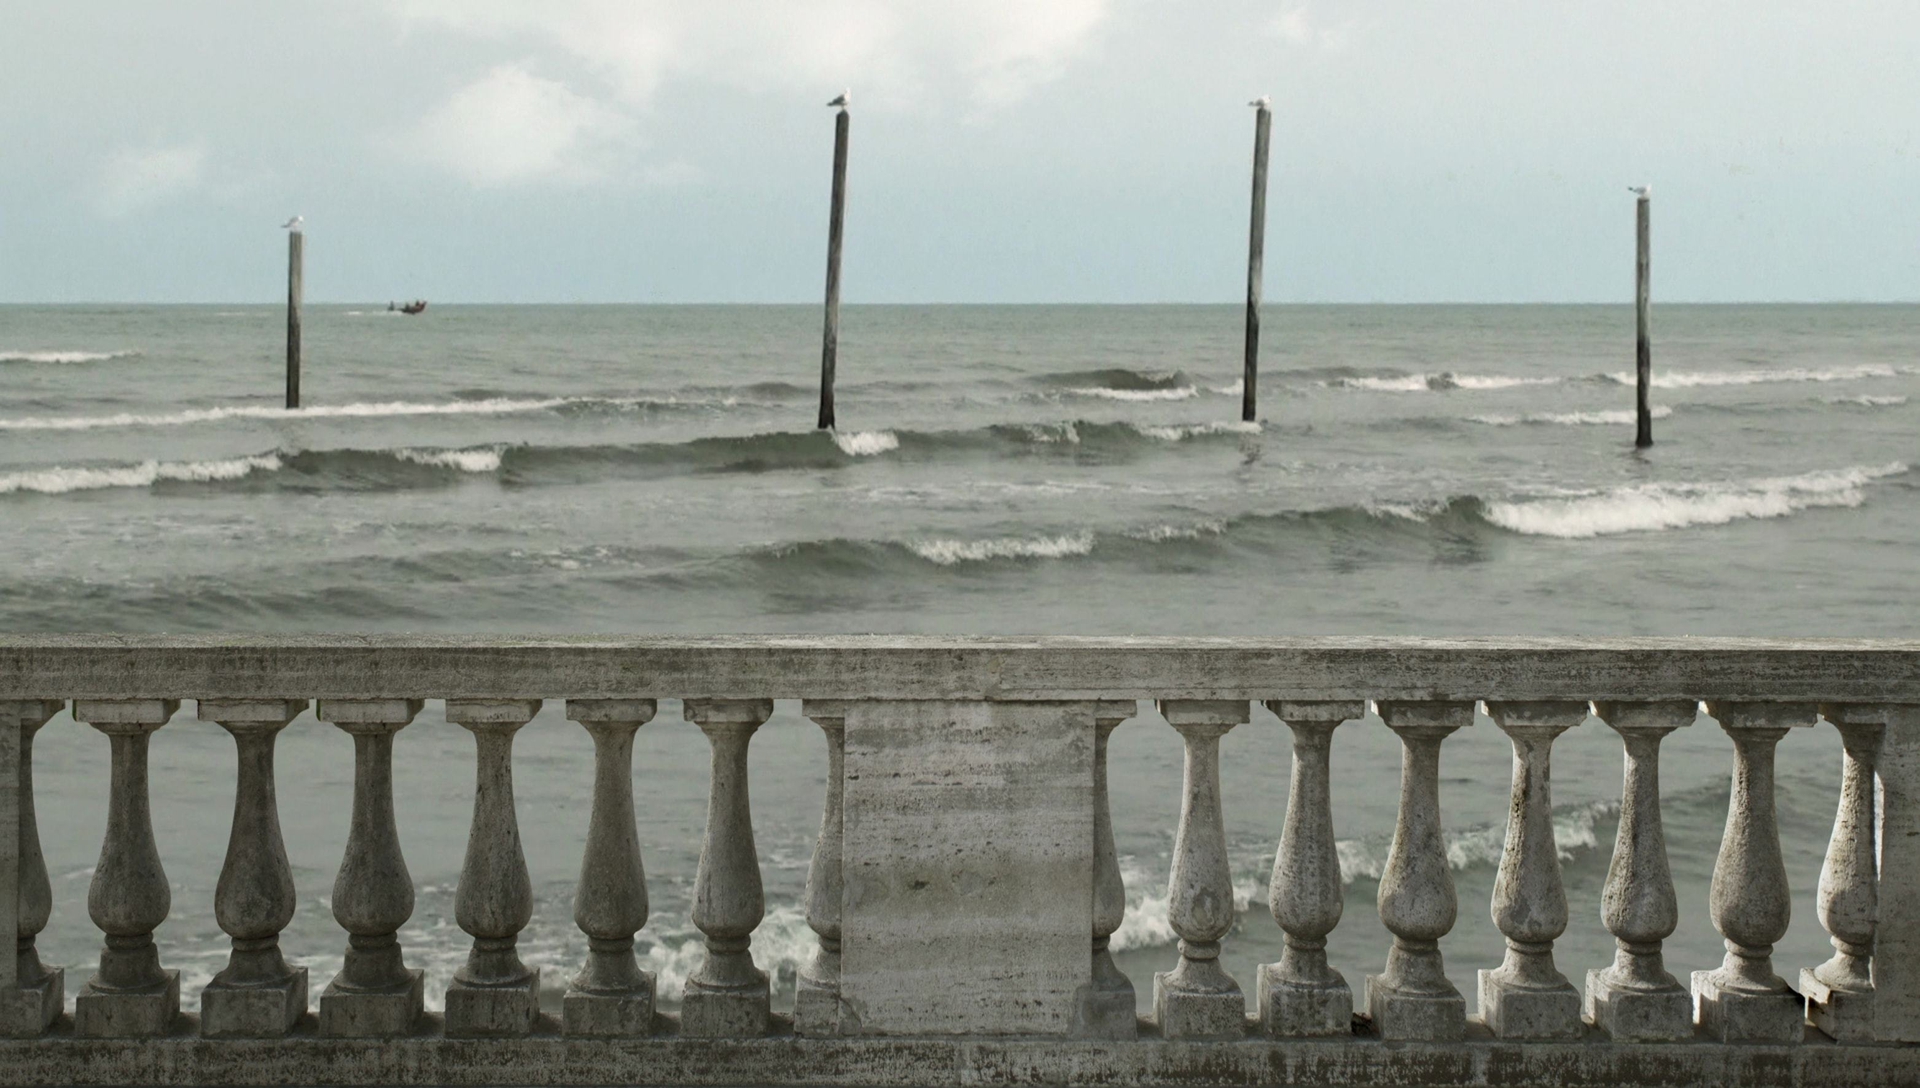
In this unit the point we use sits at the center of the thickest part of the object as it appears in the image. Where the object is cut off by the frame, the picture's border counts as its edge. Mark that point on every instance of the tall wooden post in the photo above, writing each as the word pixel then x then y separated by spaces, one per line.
pixel 1643 350
pixel 830 338
pixel 1256 254
pixel 295 245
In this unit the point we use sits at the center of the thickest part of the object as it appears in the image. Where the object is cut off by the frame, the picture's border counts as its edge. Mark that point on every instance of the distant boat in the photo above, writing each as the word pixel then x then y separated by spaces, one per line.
pixel 414 307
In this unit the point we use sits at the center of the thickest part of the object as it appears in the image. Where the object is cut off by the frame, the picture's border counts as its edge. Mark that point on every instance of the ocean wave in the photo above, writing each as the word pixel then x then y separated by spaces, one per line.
pixel 948 553
pixel 1868 400
pixel 11 356
pixel 1603 417
pixel 470 460
pixel 1687 379
pixel 1438 382
pixel 1118 378
pixel 865 443
pixel 1180 392
pixel 485 406
pixel 1653 507
pixel 62 480
pixel 1193 430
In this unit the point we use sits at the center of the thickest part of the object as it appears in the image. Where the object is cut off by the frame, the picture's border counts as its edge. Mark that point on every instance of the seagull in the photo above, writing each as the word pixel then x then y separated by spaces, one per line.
pixel 843 100
pixel 1641 191
pixel 292 224
pixel 1262 102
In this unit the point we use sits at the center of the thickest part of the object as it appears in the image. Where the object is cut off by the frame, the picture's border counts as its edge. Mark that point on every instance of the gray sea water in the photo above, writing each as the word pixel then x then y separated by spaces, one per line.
pixel 1074 470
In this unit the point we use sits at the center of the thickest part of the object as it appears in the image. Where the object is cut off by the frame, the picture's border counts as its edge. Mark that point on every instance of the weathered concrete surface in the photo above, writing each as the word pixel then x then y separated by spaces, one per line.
pixel 900 667
pixel 549 1058
pixel 967 867
pixel 1896 936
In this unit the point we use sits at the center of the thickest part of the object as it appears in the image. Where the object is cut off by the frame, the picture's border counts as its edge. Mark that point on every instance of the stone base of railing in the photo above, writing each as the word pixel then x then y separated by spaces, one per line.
pixel 548 1057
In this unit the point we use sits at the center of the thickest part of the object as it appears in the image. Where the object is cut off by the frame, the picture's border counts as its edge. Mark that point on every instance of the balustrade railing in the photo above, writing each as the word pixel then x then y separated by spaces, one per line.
pixel 965 887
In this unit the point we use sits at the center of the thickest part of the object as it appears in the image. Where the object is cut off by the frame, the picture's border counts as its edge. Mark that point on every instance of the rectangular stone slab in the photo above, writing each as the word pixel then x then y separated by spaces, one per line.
pixel 967 866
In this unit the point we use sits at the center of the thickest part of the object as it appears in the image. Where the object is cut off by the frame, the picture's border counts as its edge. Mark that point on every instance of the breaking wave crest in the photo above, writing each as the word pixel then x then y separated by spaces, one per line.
pixel 61 480
pixel 1653 507
pixel 484 406
pixel 1432 383
pixel 12 356
pixel 1687 379
pixel 1604 417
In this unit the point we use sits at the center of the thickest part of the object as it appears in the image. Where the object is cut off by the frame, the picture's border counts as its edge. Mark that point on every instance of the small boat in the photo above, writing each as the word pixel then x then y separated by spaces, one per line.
pixel 414 307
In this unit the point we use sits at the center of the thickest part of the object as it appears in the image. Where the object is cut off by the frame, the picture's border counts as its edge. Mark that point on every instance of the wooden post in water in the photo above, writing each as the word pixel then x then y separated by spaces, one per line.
pixel 1256 255
pixel 830 337
pixel 295 245
pixel 1642 298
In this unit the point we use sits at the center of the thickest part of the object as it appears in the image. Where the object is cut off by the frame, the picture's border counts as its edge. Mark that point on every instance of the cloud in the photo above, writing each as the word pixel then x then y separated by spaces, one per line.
pixel 134 179
pixel 1298 25
pixel 511 127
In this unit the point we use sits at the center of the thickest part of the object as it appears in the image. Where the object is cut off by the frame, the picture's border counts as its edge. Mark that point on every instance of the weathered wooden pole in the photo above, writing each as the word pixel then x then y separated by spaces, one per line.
pixel 1256 255
pixel 830 337
pixel 295 245
pixel 1642 298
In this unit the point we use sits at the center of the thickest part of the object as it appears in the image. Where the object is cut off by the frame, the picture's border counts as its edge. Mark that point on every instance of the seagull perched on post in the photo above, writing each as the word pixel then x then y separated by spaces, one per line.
pixel 1261 103
pixel 844 98
pixel 292 224
pixel 1641 191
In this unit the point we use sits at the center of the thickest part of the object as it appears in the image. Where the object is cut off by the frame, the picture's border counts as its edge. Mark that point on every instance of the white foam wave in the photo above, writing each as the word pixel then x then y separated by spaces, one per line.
pixel 1158 533
pixel 490 406
pixel 59 480
pixel 1687 379
pixel 1189 430
pixel 949 553
pixel 1048 433
pixel 1179 392
pixel 1424 383
pixel 1653 507
pixel 1238 388
pixel 865 443
pixel 479 460
pixel 1868 400
pixel 1604 417
pixel 9 356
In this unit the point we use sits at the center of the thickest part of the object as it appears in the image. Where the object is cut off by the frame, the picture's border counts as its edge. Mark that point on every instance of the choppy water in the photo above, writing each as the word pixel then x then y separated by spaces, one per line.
pixel 1420 470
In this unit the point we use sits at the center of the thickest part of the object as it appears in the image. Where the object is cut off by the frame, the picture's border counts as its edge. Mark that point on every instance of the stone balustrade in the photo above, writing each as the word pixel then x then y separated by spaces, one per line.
pixel 965 887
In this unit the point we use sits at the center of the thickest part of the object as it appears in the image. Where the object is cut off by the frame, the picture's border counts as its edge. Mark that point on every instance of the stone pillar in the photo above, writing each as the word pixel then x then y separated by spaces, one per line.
pixel 1839 992
pixel 727 996
pixel 130 994
pixel 1743 1000
pixel 375 993
pixel 1302 994
pixel 1198 999
pixel 258 993
pixel 1526 997
pixel 495 993
pixel 816 998
pixel 31 993
pixel 1896 928
pixel 611 995
pixel 1412 998
pixel 1110 1002
pixel 1636 1000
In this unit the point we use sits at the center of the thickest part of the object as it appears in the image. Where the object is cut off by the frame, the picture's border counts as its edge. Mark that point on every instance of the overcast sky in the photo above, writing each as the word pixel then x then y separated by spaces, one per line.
pixel 1002 151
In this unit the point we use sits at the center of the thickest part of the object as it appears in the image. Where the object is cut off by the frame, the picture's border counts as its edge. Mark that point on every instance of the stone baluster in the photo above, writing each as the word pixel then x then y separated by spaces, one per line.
pixel 1527 997
pixel 727 996
pixel 1109 1008
pixel 1742 1000
pixel 816 998
pixel 1839 992
pixel 1198 999
pixel 494 993
pixel 32 994
pixel 611 995
pixel 1412 998
pixel 1301 994
pixel 1635 999
pixel 258 993
pixel 130 993
pixel 375 993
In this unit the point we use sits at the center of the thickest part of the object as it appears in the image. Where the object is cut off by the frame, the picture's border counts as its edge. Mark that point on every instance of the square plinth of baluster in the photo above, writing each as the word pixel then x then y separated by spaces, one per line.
pixel 493 1010
pixel 583 1012
pixel 725 1013
pixel 816 1007
pixel 1732 1016
pixel 1105 1014
pixel 1398 1014
pixel 1845 1015
pixel 122 1013
pixel 1198 1014
pixel 362 1014
pixel 228 1011
pixel 1294 1009
pixel 1529 1012
pixel 1638 1016
pixel 27 1010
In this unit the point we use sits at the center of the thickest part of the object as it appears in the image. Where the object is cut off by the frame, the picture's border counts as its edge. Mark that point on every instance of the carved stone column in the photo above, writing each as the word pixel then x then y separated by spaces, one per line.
pixel 1110 1002
pixel 1636 1000
pixel 1743 1000
pixel 1839 992
pixel 611 995
pixel 727 996
pixel 130 994
pixel 1526 997
pixel 816 998
pixel 258 993
pixel 1198 999
pixel 1302 994
pixel 1412 998
pixel 495 993
pixel 375 993
pixel 31 994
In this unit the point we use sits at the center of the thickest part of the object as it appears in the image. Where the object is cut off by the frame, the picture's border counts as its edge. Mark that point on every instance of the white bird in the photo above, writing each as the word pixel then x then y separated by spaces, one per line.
pixel 1641 191
pixel 843 100
pixel 292 224
pixel 1262 102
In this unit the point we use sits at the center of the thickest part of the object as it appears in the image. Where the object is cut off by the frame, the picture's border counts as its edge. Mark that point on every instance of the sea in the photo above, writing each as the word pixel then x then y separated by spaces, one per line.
pixel 1078 470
